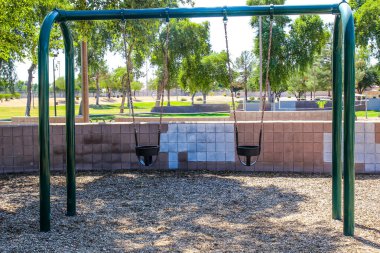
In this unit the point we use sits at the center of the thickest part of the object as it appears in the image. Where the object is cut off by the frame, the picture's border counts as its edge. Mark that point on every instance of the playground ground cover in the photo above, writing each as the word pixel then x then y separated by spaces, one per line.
pixel 188 212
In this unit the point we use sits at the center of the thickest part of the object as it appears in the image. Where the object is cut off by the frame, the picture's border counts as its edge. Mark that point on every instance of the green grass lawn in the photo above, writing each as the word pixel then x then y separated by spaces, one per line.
pixel 108 112
pixel 142 109
pixel 371 114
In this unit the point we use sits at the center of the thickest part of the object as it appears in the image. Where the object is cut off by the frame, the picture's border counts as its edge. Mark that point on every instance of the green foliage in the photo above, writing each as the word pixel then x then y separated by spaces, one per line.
pixel 8 76
pixel 215 65
pixel 321 104
pixel 136 86
pixel 297 84
pixel 244 64
pixel 7 96
pixel 308 36
pixel 60 84
pixel 293 51
pixel 188 42
pixel 367 21
pixel 370 79
pixel 16 95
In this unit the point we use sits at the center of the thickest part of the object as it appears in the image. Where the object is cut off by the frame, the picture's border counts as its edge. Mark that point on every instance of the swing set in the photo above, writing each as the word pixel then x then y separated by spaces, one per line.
pixel 343 76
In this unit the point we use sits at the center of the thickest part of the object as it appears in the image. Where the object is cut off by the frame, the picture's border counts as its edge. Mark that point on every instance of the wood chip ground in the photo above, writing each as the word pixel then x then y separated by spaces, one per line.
pixel 187 212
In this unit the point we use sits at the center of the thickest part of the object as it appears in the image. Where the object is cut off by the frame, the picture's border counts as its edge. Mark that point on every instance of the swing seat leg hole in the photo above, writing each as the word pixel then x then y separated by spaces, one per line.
pixel 146 154
pixel 251 154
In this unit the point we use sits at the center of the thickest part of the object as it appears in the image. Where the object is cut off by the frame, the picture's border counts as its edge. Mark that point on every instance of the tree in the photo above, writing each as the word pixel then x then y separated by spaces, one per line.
pixel 244 67
pixel 8 76
pixel 20 26
pixel 297 84
pixel 361 64
pixel 367 21
pixel 323 69
pixel 291 52
pixel 136 86
pixel 60 84
pixel 194 76
pixel 97 36
pixel 188 41
pixel 370 79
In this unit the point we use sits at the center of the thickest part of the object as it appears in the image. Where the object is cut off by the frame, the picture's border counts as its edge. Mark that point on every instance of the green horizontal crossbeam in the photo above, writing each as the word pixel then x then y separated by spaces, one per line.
pixel 199 12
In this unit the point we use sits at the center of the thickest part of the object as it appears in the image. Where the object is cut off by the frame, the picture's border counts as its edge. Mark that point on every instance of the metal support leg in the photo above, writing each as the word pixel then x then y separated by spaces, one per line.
pixel 337 122
pixel 349 120
pixel 43 127
pixel 70 121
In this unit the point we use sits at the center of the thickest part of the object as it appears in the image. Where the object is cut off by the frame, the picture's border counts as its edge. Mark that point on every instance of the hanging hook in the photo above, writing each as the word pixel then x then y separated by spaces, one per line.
pixel 123 15
pixel 167 15
pixel 271 11
pixel 225 17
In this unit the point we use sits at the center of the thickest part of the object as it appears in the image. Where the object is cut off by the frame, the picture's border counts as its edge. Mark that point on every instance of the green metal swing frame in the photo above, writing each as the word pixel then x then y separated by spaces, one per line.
pixel 343 76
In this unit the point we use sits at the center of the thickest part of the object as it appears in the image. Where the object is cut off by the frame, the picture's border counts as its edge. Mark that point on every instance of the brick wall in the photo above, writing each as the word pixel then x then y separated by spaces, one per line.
pixel 288 146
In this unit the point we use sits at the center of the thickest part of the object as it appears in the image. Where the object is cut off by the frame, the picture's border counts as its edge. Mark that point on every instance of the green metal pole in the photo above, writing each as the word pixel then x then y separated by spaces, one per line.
pixel 43 127
pixel 349 120
pixel 337 121
pixel 70 121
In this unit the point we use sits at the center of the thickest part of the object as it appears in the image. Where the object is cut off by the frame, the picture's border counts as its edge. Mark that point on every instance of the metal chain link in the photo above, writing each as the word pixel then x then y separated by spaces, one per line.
pixel 267 74
pixel 266 79
pixel 230 75
pixel 129 91
pixel 166 73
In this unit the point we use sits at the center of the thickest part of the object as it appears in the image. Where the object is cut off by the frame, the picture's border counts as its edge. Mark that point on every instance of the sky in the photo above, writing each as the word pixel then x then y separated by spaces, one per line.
pixel 240 35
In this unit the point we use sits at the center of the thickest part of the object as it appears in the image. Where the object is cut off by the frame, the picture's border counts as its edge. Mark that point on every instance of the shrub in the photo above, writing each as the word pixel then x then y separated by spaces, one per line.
pixel 211 93
pixel 199 99
pixel 16 95
pixel 183 99
pixel 1 97
pixel 77 97
pixel 225 94
pixel 252 98
pixel 7 96
pixel 321 104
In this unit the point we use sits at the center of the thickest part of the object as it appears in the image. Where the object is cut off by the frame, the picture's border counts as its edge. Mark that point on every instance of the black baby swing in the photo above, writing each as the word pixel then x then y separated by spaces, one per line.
pixel 248 151
pixel 147 154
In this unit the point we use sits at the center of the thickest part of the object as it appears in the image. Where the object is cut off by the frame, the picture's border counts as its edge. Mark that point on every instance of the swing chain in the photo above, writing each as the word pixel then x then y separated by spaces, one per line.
pixel 165 78
pixel 267 69
pixel 129 89
pixel 230 79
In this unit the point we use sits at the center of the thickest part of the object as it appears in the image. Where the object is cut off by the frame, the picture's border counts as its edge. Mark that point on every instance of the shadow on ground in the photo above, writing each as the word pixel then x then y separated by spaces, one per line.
pixel 163 212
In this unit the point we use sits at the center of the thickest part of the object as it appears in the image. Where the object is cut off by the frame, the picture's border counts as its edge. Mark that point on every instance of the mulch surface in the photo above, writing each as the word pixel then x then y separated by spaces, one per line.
pixel 187 212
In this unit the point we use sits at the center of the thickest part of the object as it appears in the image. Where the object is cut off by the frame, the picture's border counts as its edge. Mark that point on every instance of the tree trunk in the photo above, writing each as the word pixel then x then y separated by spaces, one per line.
pixel 109 94
pixel 168 90
pixel 192 98
pixel 97 88
pixel 128 63
pixel 204 98
pixel 124 95
pixel 29 89
pixel 85 93
pixel 158 97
